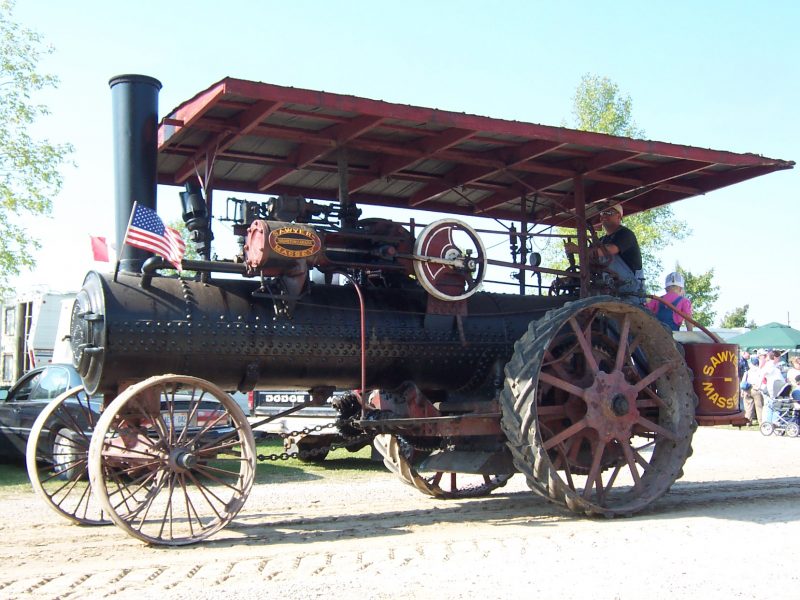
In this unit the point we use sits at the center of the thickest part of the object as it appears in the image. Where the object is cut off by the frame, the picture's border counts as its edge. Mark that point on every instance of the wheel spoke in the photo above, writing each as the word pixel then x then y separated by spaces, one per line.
pixel 207 427
pixel 203 450
pixel 569 431
pixel 626 450
pixel 205 470
pixel 551 362
pixel 548 413
pixel 585 343
pixel 203 489
pixel 650 426
pixel 653 396
pixel 612 478
pixel 594 472
pixel 189 505
pixel 663 369
pixel 623 344
pixel 168 509
pixel 562 385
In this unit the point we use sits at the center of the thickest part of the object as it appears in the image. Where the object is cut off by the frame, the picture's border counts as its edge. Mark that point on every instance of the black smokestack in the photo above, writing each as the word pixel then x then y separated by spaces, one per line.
pixel 135 114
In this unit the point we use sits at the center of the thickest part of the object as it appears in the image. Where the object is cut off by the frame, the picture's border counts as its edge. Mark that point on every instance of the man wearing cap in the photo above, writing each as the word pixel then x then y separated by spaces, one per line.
pixel 618 250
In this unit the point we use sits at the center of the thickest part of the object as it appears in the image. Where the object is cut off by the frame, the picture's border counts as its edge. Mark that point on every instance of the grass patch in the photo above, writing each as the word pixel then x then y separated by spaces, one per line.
pixel 14 476
pixel 339 464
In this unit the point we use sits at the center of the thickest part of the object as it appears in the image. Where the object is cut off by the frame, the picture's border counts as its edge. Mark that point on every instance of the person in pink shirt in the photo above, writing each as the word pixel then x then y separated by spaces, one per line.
pixel 674 285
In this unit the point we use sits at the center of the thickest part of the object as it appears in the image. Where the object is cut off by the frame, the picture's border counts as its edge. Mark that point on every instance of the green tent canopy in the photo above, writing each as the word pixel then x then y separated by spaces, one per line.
pixel 772 335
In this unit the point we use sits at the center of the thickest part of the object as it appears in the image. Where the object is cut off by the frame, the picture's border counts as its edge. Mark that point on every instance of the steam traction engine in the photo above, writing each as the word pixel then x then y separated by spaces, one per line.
pixel 580 390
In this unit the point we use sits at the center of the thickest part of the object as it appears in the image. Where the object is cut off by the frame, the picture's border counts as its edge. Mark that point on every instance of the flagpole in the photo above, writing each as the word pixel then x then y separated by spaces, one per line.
pixel 124 241
pixel 128 228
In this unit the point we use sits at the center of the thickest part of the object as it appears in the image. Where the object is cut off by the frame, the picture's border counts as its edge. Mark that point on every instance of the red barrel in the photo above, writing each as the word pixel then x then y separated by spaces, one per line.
pixel 716 377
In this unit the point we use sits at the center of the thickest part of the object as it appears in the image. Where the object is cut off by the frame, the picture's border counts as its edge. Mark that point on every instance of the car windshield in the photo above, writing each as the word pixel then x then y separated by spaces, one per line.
pixel 53 382
pixel 23 392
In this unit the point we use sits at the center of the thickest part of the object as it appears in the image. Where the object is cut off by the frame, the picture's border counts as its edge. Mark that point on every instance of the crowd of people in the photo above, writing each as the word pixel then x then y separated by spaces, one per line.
pixel 764 376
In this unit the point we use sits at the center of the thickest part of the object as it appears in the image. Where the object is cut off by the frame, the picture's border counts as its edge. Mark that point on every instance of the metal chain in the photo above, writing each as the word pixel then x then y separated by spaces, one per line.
pixel 349 441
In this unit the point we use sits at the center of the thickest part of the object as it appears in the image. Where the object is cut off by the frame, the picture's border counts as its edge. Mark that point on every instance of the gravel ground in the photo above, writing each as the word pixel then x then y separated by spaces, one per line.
pixel 728 529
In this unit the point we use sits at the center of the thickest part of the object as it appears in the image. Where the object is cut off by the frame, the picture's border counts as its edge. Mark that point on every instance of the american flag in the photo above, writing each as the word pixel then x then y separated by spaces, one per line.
pixel 147 231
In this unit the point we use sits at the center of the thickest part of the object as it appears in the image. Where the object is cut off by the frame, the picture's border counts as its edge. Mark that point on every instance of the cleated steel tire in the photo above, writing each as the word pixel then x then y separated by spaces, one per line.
pixel 598 407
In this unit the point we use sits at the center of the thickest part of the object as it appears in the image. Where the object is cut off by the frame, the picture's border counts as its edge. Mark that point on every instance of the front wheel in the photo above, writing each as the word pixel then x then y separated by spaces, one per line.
pixel 767 428
pixel 183 449
pixel 598 407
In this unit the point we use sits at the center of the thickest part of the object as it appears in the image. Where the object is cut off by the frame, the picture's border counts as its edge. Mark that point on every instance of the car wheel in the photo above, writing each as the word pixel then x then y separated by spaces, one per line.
pixel 64 450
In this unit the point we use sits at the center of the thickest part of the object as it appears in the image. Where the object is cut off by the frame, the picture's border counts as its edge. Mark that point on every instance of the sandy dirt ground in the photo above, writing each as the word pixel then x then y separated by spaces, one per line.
pixel 728 529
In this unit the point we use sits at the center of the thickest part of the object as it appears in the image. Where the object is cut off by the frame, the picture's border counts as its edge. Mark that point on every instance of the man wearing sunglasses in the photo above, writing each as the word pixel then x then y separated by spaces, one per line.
pixel 618 250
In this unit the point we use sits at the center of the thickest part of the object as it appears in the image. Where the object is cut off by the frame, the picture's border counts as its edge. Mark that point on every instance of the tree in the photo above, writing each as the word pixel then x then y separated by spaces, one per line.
pixel 703 294
pixel 737 318
pixel 191 252
pixel 599 106
pixel 29 168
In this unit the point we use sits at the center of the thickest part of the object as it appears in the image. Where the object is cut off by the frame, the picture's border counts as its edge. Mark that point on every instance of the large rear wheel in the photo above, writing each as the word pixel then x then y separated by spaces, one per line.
pixel 598 407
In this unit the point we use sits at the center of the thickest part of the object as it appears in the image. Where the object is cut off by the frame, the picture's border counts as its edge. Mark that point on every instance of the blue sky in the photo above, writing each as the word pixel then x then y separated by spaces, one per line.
pixel 720 75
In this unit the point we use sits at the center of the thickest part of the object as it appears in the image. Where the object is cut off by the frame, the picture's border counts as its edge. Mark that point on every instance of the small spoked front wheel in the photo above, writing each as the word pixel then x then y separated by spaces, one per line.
pixel 181 451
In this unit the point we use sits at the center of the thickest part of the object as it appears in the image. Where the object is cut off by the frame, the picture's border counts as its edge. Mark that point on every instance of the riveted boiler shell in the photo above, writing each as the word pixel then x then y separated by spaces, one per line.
pixel 225 333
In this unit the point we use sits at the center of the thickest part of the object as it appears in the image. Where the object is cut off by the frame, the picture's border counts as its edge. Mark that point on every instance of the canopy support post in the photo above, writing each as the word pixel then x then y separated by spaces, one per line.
pixel 579 198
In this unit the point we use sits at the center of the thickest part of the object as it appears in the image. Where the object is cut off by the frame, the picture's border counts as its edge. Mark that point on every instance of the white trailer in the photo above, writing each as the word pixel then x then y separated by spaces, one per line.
pixel 30 327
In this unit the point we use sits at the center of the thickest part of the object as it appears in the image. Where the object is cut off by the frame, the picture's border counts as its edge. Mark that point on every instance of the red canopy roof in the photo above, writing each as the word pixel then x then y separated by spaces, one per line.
pixel 245 136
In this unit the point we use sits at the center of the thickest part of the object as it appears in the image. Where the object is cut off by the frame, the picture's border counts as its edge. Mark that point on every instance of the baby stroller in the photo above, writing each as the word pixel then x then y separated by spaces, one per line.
pixel 781 412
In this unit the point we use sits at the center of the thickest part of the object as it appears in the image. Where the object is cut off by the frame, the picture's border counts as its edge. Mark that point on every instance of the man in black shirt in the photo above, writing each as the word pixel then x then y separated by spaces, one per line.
pixel 618 250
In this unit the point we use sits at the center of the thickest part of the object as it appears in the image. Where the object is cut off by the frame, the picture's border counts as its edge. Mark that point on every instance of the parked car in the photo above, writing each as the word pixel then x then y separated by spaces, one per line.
pixel 20 405
pixel 305 439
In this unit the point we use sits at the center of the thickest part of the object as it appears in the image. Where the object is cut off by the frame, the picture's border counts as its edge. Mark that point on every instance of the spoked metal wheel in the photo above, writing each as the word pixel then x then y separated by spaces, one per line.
pixel 766 428
pixel 792 429
pixel 398 456
pixel 598 407
pixel 57 457
pixel 183 444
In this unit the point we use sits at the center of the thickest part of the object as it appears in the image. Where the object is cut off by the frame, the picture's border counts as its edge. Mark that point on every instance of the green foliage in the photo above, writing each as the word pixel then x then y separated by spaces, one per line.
pixel 702 293
pixel 599 106
pixel 736 318
pixel 29 168
pixel 191 252
pixel 655 229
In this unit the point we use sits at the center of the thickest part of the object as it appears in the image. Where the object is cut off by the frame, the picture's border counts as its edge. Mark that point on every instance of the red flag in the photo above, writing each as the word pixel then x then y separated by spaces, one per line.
pixel 147 231
pixel 99 248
